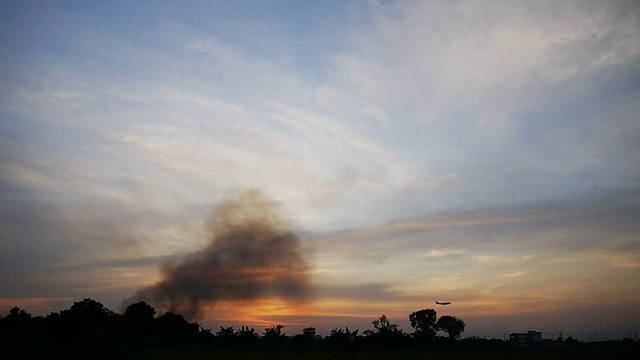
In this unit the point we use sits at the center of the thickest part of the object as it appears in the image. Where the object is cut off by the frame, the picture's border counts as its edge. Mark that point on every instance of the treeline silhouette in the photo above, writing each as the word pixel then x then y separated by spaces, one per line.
pixel 90 322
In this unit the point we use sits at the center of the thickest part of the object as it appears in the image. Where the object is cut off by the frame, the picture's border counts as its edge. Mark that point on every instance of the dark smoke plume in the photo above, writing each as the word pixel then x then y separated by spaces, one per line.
pixel 252 253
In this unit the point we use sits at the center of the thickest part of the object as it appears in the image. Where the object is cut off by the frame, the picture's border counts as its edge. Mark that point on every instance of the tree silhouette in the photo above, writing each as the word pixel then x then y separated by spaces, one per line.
pixel 424 322
pixel 174 327
pixel 17 315
pixel 247 335
pixel 87 319
pixel 342 337
pixel 205 335
pixel 385 333
pixel 309 332
pixel 139 318
pixel 88 324
pixel 273 333
pixel 16 326
pixel 382 325
pixel 87 313
pixel 226 334
pixel 308 335
pixel 451 325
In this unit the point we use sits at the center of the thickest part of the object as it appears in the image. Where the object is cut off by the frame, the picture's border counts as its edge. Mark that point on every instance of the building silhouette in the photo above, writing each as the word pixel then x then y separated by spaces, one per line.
pixel 531 337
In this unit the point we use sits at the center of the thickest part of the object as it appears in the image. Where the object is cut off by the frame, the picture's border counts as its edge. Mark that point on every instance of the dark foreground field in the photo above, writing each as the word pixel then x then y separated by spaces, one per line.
pixel 197 353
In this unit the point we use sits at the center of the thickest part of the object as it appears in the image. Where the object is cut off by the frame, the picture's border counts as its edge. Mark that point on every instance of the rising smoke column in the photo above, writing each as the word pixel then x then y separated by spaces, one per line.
pixel 252 253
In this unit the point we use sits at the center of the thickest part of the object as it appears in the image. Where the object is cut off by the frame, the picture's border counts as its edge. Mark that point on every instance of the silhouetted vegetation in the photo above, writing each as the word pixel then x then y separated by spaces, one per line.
pixel 424 323
pixel 89 326
pixel 274 333
pixel 451 325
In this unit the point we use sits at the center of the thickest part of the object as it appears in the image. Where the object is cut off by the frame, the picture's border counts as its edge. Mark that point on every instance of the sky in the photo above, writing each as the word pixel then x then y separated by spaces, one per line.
pixel 478 152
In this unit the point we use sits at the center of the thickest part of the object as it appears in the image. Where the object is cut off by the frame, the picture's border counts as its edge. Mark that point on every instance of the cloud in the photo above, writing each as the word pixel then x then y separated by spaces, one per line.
pixel 603 205
pixel 54 246
pixel 37 235
pixel 442 254
pixel 498 262
pixel 362 145
pixel 410 140
pixel 369 292
pixel 224 55
pixel 498 80
pixel 496 255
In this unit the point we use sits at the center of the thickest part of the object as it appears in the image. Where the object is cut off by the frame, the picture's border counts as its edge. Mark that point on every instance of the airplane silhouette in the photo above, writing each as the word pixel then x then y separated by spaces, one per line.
pixel 443 303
